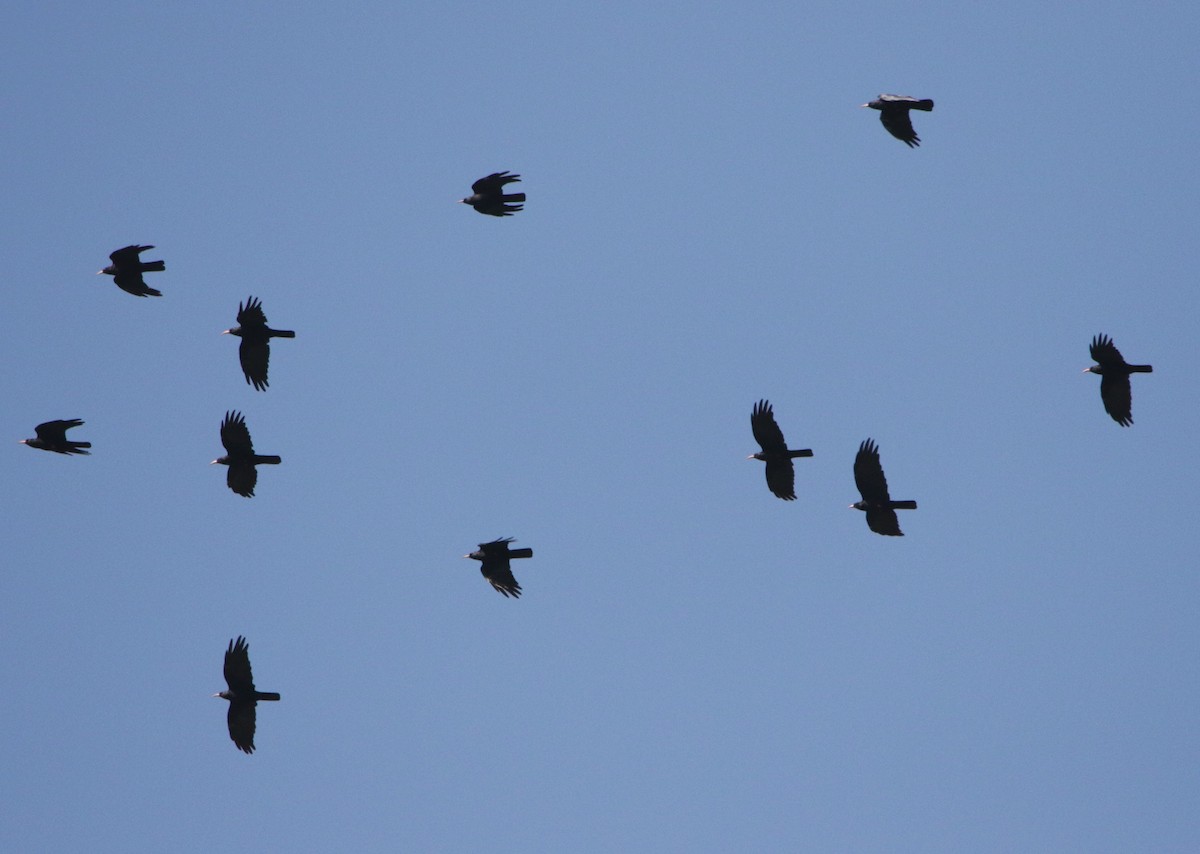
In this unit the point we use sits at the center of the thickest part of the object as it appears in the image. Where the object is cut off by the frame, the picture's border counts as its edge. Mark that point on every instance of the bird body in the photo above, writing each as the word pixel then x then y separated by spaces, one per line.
pixel 780 473
pixel 242 696
pixel 127 268
pixel 240 457
pixel 495 557
pixel 876 502
pixel 894 114
pixel 1114 371
pixel 254 351
pixel 52 436
pixel 488 196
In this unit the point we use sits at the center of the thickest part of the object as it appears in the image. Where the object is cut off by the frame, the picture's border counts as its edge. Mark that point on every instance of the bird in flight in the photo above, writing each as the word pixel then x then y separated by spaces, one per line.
pixel 872 485
pixel 255 348
pixel 242 696
pixel 240 456
pixel 127 268
pixel 495 557
pixel 893 112
pixel 781 475
pixel 1114 374
pixel 52 436
pixel 488 196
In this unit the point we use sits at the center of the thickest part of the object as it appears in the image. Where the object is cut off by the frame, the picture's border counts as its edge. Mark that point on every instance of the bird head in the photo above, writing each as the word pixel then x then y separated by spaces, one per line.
pixel 222 460
pixel 858 505
pixel 107 271
pixel 224 695
pixel 1094 369
pixel 236 331
pixel 757 456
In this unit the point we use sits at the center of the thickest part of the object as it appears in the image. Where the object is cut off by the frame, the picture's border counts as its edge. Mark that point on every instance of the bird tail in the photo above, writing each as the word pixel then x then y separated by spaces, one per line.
pixel 153 266
pixel 282 333
pixel 80 444
pixel 926 105
pixel 1140 369
pixel 521 553
pixel 261 460
pixel 266 695
pixel 804 453
pixel 513 197
pixel 903 505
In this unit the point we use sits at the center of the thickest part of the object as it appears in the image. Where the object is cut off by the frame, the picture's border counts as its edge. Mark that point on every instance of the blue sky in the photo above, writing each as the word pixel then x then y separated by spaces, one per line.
pixel 695 665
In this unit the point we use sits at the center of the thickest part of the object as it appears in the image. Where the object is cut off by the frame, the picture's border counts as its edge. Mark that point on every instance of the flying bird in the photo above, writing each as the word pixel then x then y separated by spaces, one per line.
pixel 52 436
pixel 495 557
pixel 781 475
pixel 488 196
pixel 127 268
pixel 242 696
pixel 240 456
pixel 893 112
pixel 255 349
pixel 1114 379
pixel 872 485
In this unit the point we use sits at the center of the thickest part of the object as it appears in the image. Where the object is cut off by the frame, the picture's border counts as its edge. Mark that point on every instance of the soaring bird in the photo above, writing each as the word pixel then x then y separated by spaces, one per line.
pixel 1114 379
pixel 488 196
pixel 255 349
pixel 872 485
pixel 242 696
pixel 893 112
pixel 127 268
pixel 495 557
pixel 240 456
pixel 781 475
pixel 52 436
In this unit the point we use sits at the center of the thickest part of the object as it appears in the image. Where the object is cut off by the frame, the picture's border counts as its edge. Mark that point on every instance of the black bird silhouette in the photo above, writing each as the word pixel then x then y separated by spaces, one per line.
pixel 872 485
pixel 893 112
pixel 781 475
pixel 240 456
pixel 127 268
pixel 52 436
pixel 488 196
pixel 242 696
pixel 254 351
pixel 495 557
pixel 1114 379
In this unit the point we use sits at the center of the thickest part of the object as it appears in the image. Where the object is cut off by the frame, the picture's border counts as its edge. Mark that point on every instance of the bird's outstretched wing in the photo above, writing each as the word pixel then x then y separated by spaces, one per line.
pixel 255 357
pixel 235 435
pixel 251 314
pixel 242 478
pixel 766 430
pixel 868 474
pixel 127 254
pixel 1117 393
pixel 493 183
pixel 1104 351
pixel 56 431
pixel 241 722
pixel 498 571
pixel 899 125
pixel 884 521
pixel 237 667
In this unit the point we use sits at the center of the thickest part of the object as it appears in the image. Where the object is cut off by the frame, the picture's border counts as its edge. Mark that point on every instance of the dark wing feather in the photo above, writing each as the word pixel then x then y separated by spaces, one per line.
pixel 255 357
pixel 498 571
pixel 127 255
pixel 1104 351
pixel 251 314
pixel 868 474
pixel 237 667
pixel 497 547
pixel 235 435
pixel 1117 395
pixel 56 431
pixel 242 478
pixel 899 125
pixel 241 720
pixel 766 430
pixel 884 521
pixel 493 183
pixel 781 479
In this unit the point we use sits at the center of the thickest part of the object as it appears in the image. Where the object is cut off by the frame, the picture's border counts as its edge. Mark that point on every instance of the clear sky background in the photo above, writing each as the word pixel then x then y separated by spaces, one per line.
pixel 695 664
